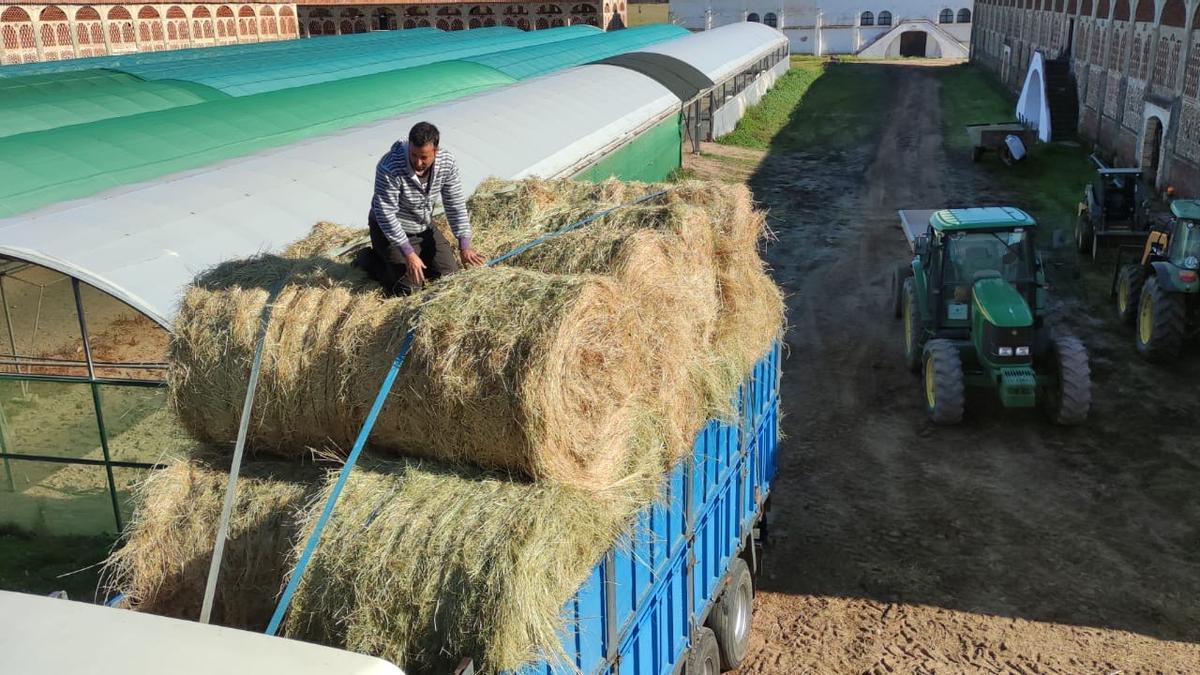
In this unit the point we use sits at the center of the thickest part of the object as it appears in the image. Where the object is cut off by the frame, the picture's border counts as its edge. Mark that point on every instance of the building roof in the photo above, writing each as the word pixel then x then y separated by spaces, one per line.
pixel 144 243
pixel 723 52
pixel 982 218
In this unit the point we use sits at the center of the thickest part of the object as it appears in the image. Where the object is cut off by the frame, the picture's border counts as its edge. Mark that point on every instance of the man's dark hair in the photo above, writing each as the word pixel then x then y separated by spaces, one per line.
pixel 424 133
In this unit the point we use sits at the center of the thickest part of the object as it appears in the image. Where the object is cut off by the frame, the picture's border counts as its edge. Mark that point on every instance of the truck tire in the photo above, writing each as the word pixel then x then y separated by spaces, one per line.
pixel 731 617
pixel 1069 399
pixel 704 656
pixel 1161 322
pixel 913 330
pixel 1129 293
pixel 901 273
pixel 945 395
pixel 1083 233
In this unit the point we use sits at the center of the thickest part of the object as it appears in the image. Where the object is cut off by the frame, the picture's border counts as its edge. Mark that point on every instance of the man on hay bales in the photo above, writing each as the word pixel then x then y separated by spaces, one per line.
pixel 409 180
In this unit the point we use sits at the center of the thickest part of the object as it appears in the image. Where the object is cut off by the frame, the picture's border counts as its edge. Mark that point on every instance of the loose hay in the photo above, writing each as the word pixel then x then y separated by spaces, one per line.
pixel 162 565
pixel 510 369
pixel 422 565
pixel 325 239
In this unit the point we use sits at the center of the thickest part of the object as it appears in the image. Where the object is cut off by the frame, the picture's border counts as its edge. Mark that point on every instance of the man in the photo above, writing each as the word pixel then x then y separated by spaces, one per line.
pixel 409 180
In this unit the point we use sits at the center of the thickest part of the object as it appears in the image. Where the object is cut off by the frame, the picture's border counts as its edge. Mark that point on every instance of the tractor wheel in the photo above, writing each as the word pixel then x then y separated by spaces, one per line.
pixel 944 388
pixel 1083 233
pixel 1161 322
pixel 901 273
pixel 1129 293
pixel 913 330
pixel 1068 400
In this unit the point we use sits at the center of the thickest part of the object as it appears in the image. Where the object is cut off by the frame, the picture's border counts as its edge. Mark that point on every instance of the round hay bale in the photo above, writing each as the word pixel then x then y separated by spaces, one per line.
pixel 422 564
pixel 510 368
pixel 162 563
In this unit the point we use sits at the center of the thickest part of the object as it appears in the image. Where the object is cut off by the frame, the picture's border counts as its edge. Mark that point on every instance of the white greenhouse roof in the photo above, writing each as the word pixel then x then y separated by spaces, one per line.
pixel 723 52
pixel 144 243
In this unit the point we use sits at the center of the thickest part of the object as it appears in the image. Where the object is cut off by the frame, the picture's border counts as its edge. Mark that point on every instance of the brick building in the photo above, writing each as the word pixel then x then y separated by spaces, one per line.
pixel 1135 65
pixel 45 32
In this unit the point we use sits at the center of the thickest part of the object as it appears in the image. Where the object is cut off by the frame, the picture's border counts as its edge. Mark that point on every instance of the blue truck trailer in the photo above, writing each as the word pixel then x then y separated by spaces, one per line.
pixel 675 594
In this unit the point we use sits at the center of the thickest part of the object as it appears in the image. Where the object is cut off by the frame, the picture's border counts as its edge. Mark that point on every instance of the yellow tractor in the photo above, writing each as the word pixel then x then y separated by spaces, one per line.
pixel 1160 293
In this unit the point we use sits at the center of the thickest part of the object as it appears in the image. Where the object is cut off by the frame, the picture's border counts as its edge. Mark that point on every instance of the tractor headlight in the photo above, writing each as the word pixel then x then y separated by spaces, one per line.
pixel 1191 263
pixel 1022 351
pixel 1004 351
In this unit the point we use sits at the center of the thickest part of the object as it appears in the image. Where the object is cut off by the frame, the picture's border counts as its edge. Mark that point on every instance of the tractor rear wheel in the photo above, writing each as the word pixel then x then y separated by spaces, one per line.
pixel 1069 399
pixel 945 395
pixel 1083 233
pixel 1161 322
pixel 913 331
pixel 901 273
pixel 1129 293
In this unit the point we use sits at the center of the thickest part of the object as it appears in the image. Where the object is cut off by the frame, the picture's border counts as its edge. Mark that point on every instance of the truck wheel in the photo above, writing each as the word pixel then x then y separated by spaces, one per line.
pixel 1069 399
pixel 901 273
pixel 1083 233
pixel 704 656
pixel 731 617
pixel 913 330
pixel 1129 293
pixel 1161 322
pixel 944 392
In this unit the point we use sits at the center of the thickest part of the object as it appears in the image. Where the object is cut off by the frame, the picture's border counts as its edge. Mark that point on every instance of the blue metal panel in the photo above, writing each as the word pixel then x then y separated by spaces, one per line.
pixel 731 472
pixel 659 638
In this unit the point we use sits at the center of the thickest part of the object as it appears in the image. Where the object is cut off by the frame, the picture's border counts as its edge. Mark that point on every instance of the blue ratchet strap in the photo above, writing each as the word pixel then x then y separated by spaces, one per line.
pixel 384 390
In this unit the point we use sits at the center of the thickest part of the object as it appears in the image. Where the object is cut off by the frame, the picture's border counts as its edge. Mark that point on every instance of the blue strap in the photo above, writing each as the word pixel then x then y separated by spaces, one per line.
pixel 384 390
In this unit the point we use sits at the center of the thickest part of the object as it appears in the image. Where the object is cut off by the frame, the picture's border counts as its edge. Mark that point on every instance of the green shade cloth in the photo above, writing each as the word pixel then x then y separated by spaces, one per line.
pixel 27 105
pixel 55 165
pixel 651 157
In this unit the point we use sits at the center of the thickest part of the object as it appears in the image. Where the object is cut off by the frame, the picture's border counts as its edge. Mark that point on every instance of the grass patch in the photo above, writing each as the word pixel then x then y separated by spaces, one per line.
pixel 36 563
pixel 1048 182
pixel 815 105
pixel 644 14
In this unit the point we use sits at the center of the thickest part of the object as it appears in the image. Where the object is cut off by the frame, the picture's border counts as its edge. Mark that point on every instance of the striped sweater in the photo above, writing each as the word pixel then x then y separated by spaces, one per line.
pixel 403 204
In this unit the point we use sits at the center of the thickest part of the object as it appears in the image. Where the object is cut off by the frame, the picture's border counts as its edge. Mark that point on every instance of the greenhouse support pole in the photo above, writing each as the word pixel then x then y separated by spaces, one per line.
pixel 91 367
pixel 12 339
pixel 12 485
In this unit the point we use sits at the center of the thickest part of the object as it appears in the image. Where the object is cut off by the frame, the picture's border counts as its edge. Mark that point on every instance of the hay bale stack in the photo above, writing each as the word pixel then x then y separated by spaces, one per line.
pixel 324 239
pixel 421 565
pixel 510 369
pixel 162 565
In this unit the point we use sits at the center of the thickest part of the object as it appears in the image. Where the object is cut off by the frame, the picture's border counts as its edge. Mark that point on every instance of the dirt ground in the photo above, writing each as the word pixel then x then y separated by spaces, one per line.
pixel 1004 545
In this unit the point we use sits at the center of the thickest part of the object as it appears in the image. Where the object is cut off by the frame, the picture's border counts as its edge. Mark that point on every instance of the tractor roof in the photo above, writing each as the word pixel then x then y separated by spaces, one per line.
pixel 982 218
pixel 1186 208
pixel 1127 171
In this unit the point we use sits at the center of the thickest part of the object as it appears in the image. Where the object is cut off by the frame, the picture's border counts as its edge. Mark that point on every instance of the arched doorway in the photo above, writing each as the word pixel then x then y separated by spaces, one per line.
pixel 1152 149
pixel 913 43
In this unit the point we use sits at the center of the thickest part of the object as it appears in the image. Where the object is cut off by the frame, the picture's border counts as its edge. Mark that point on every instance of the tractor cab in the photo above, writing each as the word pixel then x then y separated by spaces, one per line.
pixel 1181 246
pixel 1114 209
pixel 1119 193
pixel 980 262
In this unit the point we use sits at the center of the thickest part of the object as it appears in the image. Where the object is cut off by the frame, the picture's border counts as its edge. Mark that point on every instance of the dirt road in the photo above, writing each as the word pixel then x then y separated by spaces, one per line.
pixel 1004 545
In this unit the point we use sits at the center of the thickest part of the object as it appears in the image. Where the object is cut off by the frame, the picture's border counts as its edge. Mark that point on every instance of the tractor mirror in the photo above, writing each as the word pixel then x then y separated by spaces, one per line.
pixel 922 245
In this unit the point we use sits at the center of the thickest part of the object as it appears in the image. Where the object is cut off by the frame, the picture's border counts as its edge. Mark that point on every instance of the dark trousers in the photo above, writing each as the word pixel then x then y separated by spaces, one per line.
pixel 390 267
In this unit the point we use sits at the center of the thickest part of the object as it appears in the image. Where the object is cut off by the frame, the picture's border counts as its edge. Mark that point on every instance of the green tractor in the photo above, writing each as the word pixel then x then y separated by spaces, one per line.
pixel 1160 294
pixel 973 302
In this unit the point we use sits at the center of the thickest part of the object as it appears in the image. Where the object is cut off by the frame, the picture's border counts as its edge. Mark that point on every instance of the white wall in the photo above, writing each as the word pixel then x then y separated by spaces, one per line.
pixel 838 19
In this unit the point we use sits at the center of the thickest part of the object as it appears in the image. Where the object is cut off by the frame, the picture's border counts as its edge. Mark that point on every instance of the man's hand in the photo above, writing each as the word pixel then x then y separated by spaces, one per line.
pixel 416 270
pixel 471 258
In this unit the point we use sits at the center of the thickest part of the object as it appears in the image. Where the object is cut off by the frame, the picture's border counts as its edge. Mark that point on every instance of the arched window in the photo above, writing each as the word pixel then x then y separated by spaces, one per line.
pixel 964 15
pixel 947 16
pixel 752 17
pixel 771 20
pixel 867 19
pixel 885 18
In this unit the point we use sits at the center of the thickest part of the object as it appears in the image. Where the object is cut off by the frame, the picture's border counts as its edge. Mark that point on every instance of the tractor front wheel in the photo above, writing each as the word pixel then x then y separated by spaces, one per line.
pixel 1129 293
pixel 945 395
pixel 1083 233
pixel 1069 399
pixel 1161 322
pixel 913 330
